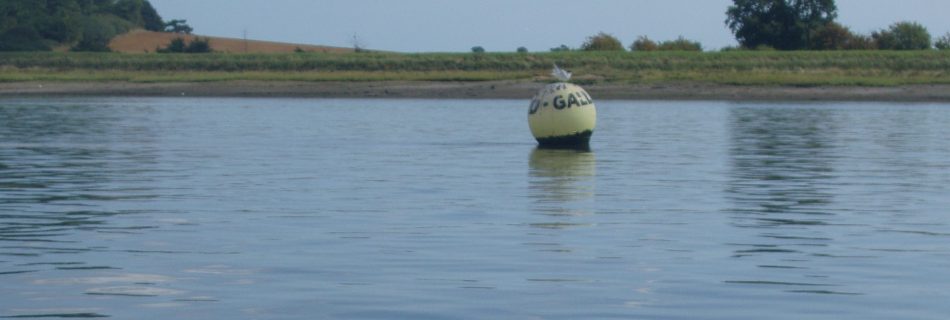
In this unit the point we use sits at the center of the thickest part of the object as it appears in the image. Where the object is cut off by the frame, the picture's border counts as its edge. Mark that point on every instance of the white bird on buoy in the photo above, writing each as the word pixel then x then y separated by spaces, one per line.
pixel 562 115
pixel 561 74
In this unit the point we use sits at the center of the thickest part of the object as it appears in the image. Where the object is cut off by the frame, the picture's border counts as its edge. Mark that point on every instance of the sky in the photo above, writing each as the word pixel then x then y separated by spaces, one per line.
pixel 503 25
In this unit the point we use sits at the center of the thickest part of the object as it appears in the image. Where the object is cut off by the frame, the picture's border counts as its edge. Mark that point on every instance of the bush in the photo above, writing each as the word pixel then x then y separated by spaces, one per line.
pixel 562 48
pixel 199 46
pixel 478 49
pixel 602 42
pixel 831 36
pixel 731 49
pixel 643 44
pixel 522 50
pixel 943 43
pixel 860 42
pixel 178 45
pixel 903 36
pixel 681 44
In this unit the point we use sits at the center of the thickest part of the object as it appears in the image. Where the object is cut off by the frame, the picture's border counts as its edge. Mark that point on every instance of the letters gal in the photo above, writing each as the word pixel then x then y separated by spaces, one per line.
pixel 562 115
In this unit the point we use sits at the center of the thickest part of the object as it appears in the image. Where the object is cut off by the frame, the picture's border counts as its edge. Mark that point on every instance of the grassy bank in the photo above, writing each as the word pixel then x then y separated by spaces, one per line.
pixel 845 68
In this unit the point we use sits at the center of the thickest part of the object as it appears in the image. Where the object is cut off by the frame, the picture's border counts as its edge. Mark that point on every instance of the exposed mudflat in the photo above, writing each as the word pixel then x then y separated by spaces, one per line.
pixel 473 90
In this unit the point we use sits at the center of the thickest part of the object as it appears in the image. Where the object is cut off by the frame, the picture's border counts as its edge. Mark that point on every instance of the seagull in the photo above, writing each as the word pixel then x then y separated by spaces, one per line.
pixel 560 74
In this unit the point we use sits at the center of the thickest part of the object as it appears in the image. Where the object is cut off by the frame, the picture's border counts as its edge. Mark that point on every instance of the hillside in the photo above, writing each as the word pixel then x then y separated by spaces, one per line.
pixel 74 25
pixel 141 41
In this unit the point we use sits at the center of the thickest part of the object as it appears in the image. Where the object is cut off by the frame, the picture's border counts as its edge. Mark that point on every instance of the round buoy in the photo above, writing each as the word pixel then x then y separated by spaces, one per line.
pixel 562 115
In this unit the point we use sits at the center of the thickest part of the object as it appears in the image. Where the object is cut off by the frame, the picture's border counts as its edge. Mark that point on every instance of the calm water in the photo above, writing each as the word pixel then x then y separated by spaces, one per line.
pixel 440 209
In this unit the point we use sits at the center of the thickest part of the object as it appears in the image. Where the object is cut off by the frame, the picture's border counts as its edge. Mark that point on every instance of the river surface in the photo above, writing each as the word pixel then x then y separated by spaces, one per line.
pixel 194 208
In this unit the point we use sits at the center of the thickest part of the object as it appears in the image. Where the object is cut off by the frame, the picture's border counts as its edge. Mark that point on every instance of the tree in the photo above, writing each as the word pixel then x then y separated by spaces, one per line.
pixel 782 24
pixel 903 36
pixel 82 24
pixel 22 38
pixel 358 45
pixel 602 42
pixel 129 10
pixel 150 18
pixel 98 31
pixel 89 7
pixel 561 48
pixel 943 43
pixel 522 50
pixel 644 44
pixel 51 21
pixel 178 26
pixel 63 22
pixel 478 49
pixel 811 15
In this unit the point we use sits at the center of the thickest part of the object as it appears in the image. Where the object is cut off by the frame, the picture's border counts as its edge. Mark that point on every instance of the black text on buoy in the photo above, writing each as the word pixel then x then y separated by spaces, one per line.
pixel 562 115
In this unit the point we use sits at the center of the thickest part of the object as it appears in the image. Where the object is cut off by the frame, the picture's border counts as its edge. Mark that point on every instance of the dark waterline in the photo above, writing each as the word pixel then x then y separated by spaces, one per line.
pixel 304 208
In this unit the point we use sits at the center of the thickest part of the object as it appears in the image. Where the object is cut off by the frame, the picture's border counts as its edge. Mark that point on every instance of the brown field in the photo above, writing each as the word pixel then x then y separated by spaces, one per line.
pixel 141 41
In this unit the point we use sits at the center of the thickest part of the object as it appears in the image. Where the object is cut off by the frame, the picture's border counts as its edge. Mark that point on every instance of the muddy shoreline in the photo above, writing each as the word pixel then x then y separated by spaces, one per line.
pixel 472 90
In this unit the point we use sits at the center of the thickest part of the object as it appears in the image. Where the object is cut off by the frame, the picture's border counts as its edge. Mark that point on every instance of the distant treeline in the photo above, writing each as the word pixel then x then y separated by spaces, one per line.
pixel 811 25
pixel 89 25
pixel 82 25
pixel 786 25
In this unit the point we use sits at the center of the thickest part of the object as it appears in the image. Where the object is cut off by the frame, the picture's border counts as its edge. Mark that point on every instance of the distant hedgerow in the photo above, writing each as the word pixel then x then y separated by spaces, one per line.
pixel 602 42
pixel 177 45
pixel 681 44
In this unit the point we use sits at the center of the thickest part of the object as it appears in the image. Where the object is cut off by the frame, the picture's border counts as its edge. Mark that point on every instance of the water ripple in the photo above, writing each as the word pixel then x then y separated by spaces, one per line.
pixel 278 208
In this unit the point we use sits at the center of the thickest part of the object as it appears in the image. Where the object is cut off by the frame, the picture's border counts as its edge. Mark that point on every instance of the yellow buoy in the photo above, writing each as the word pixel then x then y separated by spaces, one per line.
pixel 562 115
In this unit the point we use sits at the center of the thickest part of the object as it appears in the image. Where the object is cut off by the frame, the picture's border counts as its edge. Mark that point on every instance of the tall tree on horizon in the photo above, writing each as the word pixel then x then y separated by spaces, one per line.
pixel 781 24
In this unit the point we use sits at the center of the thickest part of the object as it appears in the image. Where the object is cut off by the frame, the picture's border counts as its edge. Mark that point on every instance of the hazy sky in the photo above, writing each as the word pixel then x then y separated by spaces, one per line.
pixel 503 25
